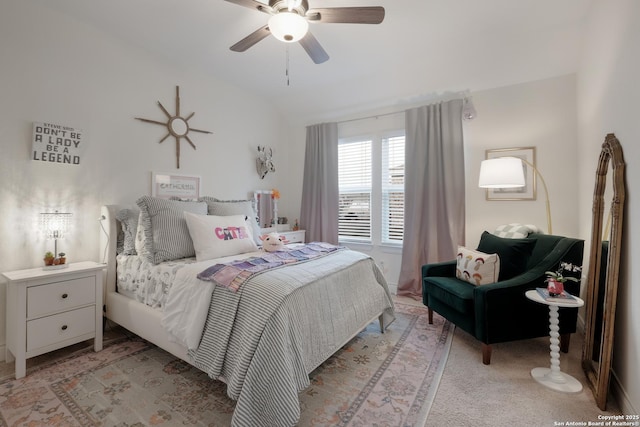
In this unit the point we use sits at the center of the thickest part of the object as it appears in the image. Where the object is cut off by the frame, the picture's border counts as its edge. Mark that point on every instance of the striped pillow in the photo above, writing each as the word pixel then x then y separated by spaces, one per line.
pixel 163 234
pixel 129 222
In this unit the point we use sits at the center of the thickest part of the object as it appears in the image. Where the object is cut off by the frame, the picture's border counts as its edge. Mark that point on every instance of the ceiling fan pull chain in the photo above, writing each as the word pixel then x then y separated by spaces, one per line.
pixel 287 65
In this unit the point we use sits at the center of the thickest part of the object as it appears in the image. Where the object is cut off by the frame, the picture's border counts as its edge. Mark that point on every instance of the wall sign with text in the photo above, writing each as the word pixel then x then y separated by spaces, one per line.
pixel 57 144
pixel 166 186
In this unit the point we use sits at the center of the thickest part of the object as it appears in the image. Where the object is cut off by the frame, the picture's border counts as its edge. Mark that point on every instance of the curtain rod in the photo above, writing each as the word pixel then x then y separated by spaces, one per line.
pixel 375 116
pixel 461 95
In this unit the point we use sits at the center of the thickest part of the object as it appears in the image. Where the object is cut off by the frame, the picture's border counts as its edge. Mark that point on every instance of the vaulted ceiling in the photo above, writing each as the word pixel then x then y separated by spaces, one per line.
pixel 423 47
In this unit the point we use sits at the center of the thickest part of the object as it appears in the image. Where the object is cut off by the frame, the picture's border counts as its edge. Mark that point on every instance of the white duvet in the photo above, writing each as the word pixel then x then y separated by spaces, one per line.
pixel 187 303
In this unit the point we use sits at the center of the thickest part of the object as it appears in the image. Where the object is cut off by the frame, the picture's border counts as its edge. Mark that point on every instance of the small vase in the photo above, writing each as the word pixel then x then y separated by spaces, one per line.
pixel 554 287
pixel 48 261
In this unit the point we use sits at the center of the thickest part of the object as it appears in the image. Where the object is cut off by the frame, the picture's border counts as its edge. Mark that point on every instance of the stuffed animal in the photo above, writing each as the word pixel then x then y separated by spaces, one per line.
pixel 273 242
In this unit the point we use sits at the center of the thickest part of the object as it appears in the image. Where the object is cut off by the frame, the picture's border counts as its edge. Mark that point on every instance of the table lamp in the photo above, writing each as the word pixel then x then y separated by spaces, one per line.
pixel 55 225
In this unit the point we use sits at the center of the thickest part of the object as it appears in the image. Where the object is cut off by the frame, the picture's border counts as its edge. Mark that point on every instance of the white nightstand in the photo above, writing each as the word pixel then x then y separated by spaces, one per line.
pixel 51 309
pixel 297 236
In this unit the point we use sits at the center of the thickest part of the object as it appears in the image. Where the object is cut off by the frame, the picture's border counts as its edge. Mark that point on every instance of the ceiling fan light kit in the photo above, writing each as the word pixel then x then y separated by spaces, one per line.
pixel 288 27
pixel 290 19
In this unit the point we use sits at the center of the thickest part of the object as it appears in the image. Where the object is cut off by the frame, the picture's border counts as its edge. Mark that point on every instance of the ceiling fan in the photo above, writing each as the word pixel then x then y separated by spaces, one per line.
pixel 290 19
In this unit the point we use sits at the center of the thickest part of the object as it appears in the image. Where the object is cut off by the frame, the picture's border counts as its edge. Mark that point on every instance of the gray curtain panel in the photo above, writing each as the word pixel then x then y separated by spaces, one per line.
pixel 434 222
pixel 320 194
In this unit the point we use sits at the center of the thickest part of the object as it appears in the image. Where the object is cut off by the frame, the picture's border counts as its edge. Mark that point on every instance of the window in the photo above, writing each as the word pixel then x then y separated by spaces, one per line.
pixel 393 189
pixel 354 181
pixel 371 185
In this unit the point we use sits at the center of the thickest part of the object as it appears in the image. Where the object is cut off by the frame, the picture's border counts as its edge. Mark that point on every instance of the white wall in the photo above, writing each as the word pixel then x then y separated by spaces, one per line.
pixel 59 71
pixel 541 114
pixel 608 96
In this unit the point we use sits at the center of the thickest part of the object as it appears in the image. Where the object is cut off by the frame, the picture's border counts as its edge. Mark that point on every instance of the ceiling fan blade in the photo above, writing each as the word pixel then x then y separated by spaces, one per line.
pixel 347 15
pixel 251 39
pixel 313 48
pixel 252 4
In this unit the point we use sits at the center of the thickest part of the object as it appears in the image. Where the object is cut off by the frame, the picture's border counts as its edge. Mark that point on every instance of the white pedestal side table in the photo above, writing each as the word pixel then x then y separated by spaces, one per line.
pixel 553 377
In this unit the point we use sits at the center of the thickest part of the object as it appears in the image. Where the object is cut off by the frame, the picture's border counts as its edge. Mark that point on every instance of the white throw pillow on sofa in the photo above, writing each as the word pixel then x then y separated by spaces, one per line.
pixel 477 267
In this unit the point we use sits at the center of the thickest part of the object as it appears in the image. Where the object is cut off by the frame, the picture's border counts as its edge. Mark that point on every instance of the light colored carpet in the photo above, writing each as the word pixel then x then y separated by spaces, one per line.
pixel 504 393
pixel 376 379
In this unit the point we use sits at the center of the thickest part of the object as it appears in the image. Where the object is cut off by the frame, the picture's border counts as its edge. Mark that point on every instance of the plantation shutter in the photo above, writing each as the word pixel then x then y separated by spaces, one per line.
pixel 354 181
pixel 393 189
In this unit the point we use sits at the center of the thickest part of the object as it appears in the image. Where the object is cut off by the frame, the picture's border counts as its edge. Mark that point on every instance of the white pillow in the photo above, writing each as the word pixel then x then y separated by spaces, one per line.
pixel 219 236
pixel 236 207
pixel 477 267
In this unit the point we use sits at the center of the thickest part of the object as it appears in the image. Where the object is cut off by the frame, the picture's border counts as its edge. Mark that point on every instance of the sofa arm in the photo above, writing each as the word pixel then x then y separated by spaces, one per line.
pixel 439 269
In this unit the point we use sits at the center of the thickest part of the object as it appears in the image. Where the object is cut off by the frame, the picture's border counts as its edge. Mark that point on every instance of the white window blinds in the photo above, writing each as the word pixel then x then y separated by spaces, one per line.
pixel 392 189
pixel 354 181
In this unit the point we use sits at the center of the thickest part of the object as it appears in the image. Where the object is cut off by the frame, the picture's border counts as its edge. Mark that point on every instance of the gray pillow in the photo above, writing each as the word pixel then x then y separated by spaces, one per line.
pixel 129 222
pixel 165 235
pixel 235 207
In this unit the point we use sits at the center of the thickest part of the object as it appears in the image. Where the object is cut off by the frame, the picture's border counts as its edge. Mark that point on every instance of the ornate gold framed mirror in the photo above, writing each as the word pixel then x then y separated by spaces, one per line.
pixel 604 267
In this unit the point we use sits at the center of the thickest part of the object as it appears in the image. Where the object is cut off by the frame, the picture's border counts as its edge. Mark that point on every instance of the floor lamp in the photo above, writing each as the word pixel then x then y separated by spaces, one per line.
pixel 508 172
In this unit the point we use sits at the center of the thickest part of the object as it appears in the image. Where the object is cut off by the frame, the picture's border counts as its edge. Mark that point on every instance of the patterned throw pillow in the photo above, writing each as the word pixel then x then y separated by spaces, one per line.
pixel 477 267
pixel 516 231
pixel 219 236
pixel 163 234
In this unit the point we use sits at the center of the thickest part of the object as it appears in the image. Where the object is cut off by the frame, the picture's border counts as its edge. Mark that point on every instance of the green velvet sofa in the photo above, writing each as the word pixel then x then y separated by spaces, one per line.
pixel 500 312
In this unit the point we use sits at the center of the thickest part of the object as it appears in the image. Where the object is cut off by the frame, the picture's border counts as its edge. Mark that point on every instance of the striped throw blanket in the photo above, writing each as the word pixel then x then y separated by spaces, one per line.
pixel 232 275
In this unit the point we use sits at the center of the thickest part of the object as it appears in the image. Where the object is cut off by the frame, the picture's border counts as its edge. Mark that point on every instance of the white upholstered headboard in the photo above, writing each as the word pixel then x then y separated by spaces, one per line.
pixel 109 241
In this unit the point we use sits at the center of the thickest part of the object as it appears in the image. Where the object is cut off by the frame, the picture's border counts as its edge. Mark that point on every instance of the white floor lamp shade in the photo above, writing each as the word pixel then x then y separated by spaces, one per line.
pixel 501 172
pixel 508 172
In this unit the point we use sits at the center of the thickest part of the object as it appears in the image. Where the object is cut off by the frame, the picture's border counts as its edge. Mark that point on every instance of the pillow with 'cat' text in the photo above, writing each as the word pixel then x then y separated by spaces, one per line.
pixel 219 236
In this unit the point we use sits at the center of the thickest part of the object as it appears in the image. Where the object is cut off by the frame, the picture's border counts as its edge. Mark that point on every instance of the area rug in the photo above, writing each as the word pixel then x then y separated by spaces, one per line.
pixel 376 379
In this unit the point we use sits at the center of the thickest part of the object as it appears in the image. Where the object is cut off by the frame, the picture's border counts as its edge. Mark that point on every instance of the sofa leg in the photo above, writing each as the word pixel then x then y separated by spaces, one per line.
pixel 565 339
pixel 430 310
pixel 486 354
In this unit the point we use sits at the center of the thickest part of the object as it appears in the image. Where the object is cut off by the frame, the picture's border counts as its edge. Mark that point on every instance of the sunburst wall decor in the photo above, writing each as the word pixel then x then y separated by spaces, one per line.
pixel 177 126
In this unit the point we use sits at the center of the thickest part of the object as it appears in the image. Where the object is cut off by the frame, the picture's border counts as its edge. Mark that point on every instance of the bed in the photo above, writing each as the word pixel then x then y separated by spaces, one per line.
pixel 262 339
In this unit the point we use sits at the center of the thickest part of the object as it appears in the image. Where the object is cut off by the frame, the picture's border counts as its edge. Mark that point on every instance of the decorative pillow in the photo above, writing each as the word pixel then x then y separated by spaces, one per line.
pixel 129 222
pixel 236 207
pixel 219 236
pixel 516 231
pixel 120 241
pixel 514 253
pixel 165 235
pixel 476 267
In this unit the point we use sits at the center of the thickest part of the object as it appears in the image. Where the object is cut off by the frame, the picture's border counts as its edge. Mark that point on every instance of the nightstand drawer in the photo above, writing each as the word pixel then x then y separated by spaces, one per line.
pixel 297 236
pixel 60 327
pixel 60 296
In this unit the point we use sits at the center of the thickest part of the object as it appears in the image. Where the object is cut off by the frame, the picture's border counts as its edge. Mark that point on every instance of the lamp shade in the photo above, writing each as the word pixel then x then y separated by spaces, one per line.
pixel 55 225
pixel 288 26
pixel 501 172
